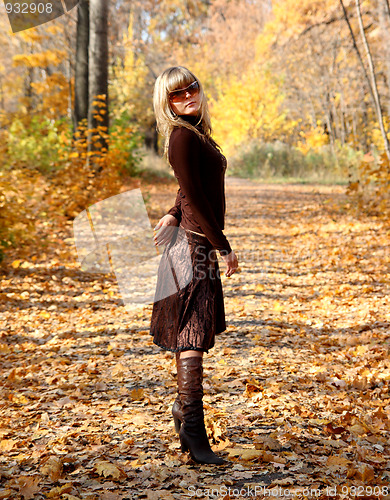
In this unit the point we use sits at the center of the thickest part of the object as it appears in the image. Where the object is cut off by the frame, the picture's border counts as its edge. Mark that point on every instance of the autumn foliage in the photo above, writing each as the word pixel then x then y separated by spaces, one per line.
pixel 303 79
pixel 296 390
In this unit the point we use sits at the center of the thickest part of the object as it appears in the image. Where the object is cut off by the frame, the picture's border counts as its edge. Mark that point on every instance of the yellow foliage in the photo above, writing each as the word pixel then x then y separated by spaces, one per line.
pixel 312 139
pixel 16 220
pixel 31 36
pixel 371 191
pixel 375 135
pixel 40 59
pixel 89 175
pixel 55 93
pixel 248 108
pixel 134 92
pixel 54 29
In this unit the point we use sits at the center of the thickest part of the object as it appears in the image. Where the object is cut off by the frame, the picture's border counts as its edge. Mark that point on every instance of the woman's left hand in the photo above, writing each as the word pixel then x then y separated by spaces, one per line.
pixel 164 230
pixel 231 262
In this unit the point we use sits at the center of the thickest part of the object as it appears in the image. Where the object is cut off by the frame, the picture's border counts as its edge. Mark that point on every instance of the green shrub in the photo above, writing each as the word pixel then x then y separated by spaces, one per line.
pixel 34 146
pixel 125 138
pixel 278 160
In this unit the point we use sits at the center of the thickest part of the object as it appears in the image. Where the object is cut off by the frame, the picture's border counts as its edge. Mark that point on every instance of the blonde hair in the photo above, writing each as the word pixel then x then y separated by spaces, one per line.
pixel 174 78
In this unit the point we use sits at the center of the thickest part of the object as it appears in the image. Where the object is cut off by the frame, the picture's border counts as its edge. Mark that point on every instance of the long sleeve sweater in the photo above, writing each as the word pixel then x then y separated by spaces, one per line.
pixel 200 170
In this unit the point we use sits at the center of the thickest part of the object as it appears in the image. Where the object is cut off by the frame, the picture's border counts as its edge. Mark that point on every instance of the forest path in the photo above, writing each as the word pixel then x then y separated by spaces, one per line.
pixel 296 389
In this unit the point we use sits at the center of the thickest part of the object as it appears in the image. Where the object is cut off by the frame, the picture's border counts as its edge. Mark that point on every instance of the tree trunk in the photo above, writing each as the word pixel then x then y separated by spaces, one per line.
pixel 81 73
pixel 360 59
pixel 384 19
pixel 98 76
pixel 28 90
pixel 151 138
pixel 387 7
pixel 377 102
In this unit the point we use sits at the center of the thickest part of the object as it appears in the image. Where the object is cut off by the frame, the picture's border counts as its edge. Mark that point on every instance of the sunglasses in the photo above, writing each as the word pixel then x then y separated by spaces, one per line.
pixel 181 95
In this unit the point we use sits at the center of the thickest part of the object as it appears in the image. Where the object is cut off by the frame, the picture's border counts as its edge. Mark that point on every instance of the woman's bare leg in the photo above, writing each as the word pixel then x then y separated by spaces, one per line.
pixel 190 354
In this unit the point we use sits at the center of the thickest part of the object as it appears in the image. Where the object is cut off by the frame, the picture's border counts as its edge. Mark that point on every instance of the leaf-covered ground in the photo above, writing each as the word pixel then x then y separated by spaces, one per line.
pixel 297 388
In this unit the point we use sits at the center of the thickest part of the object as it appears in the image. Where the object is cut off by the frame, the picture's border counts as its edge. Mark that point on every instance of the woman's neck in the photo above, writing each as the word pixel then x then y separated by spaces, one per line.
pixel 193 120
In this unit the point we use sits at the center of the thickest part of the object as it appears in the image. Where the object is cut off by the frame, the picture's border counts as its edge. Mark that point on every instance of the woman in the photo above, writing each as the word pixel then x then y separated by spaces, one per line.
pixel 186 322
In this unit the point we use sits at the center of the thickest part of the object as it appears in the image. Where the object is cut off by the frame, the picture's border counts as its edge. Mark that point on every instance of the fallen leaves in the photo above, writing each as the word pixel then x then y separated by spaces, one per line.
pixel 249 454
pixel 52 468
pixel 296 389
pixel 108 469
pixel 28 486
pixel 7 444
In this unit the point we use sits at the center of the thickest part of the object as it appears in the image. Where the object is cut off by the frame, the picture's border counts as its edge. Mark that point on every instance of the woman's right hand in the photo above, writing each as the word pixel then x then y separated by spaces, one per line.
pixel 231 262
pixel 164 229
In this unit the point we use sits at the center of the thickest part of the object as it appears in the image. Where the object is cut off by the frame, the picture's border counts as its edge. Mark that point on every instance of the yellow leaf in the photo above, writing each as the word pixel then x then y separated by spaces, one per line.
pixel 107 469
pixel 28 486
pixel 277 306
pixel 244 453
pixel 52 468
pixel 259 288
pixel 137 394
pixel 6 494
pixel 7 444
pixel 62 490
pixel 269 457
pixel 365 473
pixel 5 349
pixel 118 370
pixel 252 389
pixel 20 398
pixel 16 263
pixel 337 461
pixel 357 429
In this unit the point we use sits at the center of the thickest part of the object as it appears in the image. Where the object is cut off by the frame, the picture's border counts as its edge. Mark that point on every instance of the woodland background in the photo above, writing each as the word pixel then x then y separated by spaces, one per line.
pixel 297 390
pixel 297 91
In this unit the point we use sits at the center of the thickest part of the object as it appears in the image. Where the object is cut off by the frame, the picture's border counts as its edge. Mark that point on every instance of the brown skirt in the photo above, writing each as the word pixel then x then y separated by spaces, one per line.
pixel 190 318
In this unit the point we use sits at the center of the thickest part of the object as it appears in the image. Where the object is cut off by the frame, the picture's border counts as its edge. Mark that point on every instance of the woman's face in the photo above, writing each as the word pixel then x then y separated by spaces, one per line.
pixel 186 101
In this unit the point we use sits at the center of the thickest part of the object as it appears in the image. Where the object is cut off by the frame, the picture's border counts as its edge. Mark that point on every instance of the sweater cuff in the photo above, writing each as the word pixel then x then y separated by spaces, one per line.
pixel 226 250
pixel 173 211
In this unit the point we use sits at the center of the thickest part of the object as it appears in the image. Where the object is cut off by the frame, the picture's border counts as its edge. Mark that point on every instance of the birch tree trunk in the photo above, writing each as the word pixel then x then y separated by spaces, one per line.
pixel 374 86
pixel 384 23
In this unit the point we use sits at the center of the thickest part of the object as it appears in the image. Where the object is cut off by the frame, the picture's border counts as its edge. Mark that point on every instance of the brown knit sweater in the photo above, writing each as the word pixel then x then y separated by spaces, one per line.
pixel 200 170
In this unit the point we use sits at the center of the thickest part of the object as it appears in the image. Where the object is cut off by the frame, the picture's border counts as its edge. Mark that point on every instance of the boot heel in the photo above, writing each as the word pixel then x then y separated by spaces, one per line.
pixel 183 446
pixel 177 414
pixel 177 424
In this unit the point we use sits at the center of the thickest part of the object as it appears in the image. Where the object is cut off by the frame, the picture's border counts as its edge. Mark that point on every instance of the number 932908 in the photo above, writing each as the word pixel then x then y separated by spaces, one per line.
pixel 29 8
pixel 363 491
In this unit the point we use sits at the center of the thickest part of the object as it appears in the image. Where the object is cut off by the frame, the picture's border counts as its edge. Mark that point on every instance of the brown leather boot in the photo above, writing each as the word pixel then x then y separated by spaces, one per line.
pixel 193 436
pixel 177 414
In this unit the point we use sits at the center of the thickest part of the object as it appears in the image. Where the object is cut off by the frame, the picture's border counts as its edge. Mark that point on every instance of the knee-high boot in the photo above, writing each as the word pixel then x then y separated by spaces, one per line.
pixel 176 408
pixel 177 414
pixel 193 436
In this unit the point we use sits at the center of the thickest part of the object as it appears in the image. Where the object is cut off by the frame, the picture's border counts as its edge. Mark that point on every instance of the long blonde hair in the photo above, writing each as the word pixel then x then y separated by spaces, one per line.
pixel 174 78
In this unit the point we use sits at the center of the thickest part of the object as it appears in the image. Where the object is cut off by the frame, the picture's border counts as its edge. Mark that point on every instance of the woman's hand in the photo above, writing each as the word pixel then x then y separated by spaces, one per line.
pixel 163 232
pixel 231 262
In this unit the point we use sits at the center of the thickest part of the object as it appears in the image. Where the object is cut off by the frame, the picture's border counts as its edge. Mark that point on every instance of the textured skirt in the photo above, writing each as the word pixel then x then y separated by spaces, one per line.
pixel 190 318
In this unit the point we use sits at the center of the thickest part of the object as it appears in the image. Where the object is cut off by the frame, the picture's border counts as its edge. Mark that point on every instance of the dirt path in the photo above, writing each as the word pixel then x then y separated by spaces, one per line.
pixel 297 388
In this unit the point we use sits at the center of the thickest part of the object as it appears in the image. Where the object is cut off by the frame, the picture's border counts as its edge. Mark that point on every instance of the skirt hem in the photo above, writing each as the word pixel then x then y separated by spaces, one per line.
pixel 190 348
